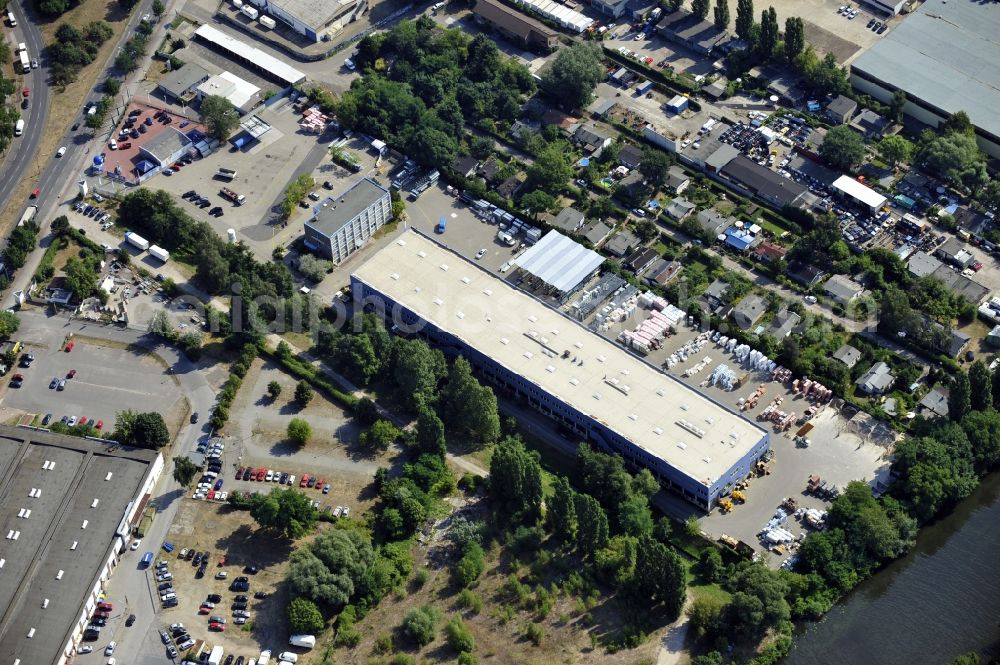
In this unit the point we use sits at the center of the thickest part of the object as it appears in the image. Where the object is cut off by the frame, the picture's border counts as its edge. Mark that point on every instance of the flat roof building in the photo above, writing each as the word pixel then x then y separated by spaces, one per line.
pixel 946 57
pixel 240 93
pixel 341 224
pixel 250 57
pixel 69 505
pixel 177 85
pixel 688 30
pixel 313 18
pixel 596 388
pixel 854 190
pixel 514 25
pixel 559 263
pixel 166 147
pixel 763 183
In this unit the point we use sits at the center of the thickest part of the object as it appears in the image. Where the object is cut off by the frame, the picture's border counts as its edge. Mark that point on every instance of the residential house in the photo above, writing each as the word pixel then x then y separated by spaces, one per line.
pixel 465 166
pixel 715 294
pixel 935 403
pixel 679 208
pixel 955 252
pixel 841 109
pixel 712 222
pixel 993 338
pixel 630 156
pixel 961 285
pixel 971 220
pixel 569 220
pixel 870 124
pixel 876 380
pixel 748 311
pixel 741 238
pixel 596 232
pixel 623 243
pixel 784 323
pixel 630 187
pixel 590 138
pixel 842 289
pixel 717 88
pixel 957 343
pixel 768 251
pixel 508 188
pixel 662 272
pixel 848 355
pixel 489 169
pixel 805 274
pixel 640 260
pixel 677 180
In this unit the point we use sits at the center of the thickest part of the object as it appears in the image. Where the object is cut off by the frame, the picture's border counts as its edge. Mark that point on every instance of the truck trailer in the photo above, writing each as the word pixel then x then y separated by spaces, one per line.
pixel 230 195
pixel 137 241
pixel 159 252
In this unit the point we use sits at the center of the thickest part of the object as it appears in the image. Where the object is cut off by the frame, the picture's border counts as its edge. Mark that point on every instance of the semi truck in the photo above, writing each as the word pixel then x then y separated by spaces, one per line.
pixel 237 199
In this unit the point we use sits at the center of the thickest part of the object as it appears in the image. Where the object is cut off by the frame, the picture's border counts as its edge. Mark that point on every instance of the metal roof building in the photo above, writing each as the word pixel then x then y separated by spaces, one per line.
pixel 560 262
pixel 250 57
pixel 68 507
pixel 946 58
pixel 593 386
pixel 863 194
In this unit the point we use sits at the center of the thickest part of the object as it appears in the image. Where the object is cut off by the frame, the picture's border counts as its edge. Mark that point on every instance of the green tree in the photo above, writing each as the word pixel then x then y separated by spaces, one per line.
pixel 721 14
pixel 896 105
pixel 303 393
pixel 592 524
pixel 471 565
pixel 769 33
pixel 995 378
pixel 516 480
pixel 758 602
pixel 459 637
pixel 981 386
pixel 274 389
pixel 958 123
pixel 147 430
pixel 380 435
pixel 537 201
pixel 957 158
pixel 416 369
pixel 111 86
pixel 971 658
pixel 304 617
pixel 551 169
pixel 710 566
pixel 705 614
pixel 895 149
pixel 9 323
pixel 313 268
pixel 574 74
pixel 286 512
pixel 158 8
pixel 959 398
pixel 654 164
pixel 660 577
pixel 795 38
pixel 331 569
pixel 185 470
pixel 744 18
pixel 430 432
pixel 219 116
pixel 700 8
pixel 299 431
pixel 468 406
pixel 81 278
pixel 983 430
pixel 561 511
pixel 420 624
pixel 842 148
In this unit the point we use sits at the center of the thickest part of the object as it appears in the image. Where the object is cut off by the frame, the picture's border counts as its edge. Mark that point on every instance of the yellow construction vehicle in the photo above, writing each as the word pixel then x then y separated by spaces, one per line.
pixel 725 505
pixel 739 497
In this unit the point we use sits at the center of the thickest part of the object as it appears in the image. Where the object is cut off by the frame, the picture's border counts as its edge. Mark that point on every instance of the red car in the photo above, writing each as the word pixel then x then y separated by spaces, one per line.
pixel 261 473
pixel 320 483
pixel 305 480
pixel 70 344
pixel 70 374
pixel 125 146
pixel 204 610
pixel 648 61
pixel 217 627
pixel 99 425
pixel 35 193
pixel 175 168
pixel 83 420
pixel 107 607
pixel 239 473
pixel 26 92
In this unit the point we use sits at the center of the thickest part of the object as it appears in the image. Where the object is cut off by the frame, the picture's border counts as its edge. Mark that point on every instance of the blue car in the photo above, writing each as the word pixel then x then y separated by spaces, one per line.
pixel 218 484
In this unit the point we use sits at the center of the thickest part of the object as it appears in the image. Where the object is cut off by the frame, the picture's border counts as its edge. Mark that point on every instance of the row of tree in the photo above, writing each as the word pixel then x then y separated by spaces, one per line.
pixel 74 49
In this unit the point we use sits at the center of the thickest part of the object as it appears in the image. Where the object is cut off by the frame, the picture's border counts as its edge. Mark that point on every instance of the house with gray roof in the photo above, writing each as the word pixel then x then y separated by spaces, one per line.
pixel 630 156
pixel 848 355
pixel 715 294
pixel 870 124
pixel 841 109
pixel 876 380
pixel 569 220
pixel 842 289
pixel 679 208
pixel 596 232
pixel 622 244
pixel 677 180
pixel 748 311
pixel 935 403
pixel 590 138
pixel 783 324
pixel 922 264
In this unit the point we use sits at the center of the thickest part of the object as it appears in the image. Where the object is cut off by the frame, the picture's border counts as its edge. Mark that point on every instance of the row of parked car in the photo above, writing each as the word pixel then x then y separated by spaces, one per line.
pixel 178 635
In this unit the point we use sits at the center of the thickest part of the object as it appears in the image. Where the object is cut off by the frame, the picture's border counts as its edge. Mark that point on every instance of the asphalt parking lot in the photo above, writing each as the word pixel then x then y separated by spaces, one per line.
pixel 464 233
pixel 108 380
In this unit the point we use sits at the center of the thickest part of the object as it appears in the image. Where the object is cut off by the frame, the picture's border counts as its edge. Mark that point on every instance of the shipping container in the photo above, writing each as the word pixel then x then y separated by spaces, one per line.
pixel 268 22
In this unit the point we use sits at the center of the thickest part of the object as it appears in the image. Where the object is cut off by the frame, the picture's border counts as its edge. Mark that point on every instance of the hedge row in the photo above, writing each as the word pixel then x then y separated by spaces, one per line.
pixel 313 376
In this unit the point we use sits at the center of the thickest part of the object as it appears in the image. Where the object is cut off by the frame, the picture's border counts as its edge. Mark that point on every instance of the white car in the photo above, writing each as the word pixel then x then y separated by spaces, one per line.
pixel 221 575
pixel 61 151
pixel 113 144
pixel 85 649
pixel 135 545
pixel 481 253
pixel 347 511
pixel 810 299
pixel 110 649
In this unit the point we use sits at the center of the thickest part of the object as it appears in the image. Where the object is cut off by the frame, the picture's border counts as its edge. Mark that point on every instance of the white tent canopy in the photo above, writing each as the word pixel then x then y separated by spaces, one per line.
pixel 560 262
pixel 854 189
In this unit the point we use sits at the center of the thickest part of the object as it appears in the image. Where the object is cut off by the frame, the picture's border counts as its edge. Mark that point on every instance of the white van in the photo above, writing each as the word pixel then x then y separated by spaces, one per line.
pixel 350 64
pixel 11 19
pixel 19 127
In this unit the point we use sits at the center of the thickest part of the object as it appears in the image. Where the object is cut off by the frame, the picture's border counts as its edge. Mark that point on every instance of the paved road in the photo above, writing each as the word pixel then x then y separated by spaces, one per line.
pixel 57 181
pixel 23 149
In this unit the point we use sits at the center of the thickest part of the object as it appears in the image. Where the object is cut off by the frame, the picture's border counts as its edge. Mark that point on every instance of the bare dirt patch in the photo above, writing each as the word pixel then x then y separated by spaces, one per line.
pixel 825 41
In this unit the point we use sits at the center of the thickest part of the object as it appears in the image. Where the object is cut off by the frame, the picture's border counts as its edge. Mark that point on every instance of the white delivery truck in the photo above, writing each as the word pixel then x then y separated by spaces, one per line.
pixel 304 641
pixel 215 658
pixel 137 241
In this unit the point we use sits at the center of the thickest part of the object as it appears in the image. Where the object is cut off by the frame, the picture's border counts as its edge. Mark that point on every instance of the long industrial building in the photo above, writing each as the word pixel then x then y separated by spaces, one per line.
pixel 946 58
pixel 68 508
pixel 692 444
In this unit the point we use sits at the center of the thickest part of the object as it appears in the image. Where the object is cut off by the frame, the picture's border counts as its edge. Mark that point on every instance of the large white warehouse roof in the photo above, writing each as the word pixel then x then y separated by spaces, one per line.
pixel 656 412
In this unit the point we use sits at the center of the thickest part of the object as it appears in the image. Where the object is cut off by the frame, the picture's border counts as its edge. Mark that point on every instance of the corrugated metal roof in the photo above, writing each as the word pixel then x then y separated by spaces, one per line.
pixel 559 261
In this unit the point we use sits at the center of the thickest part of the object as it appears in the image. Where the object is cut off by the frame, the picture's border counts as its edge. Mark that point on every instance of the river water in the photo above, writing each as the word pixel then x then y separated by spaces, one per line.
pixel 941 600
